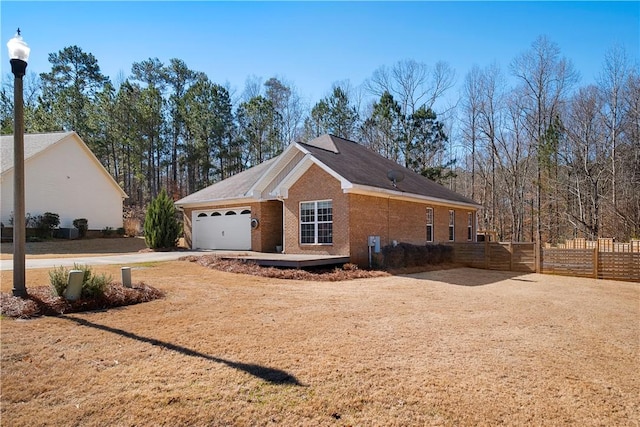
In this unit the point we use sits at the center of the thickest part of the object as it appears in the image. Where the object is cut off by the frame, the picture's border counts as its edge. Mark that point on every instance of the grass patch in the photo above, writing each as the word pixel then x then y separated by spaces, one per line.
pixel 149 264
pixel 427 349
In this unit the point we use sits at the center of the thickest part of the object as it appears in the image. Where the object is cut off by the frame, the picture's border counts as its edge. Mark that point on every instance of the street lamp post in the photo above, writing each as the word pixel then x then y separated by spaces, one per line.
pixel 18 56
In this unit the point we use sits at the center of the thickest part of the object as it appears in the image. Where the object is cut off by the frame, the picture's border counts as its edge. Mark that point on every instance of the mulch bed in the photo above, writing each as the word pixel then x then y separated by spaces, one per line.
pixel 42 301
pixel 335 274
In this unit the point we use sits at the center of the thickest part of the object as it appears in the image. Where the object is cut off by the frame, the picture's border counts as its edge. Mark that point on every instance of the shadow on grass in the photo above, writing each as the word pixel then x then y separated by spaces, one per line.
pixel 274 376
pixel 466 276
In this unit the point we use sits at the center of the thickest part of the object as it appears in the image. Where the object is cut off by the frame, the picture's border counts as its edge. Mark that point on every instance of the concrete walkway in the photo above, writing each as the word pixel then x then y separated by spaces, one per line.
pixel 123 259
pixel 288 260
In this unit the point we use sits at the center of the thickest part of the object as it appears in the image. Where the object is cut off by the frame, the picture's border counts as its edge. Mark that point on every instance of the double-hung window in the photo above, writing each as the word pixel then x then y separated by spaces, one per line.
pixel 429 224
pixel 452 225
pixel 316 222
pixel 469 226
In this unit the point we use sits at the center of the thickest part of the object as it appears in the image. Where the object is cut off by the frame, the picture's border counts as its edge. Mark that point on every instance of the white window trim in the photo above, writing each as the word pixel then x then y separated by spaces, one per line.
pixel 315 223
pixel 452 225
pixel 470 226
pixel 430 224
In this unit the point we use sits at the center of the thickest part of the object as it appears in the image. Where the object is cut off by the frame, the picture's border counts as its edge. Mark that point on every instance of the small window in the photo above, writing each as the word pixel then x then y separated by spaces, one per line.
pixel 429 224
pixel 202 214
pixel 452 225
pixel 470 226
pixel 231 213
pixel 316 222
pixel 245 212
pixel 216 214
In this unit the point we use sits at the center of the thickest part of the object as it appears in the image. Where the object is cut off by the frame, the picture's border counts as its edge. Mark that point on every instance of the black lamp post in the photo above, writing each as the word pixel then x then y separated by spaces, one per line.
pixel 18 56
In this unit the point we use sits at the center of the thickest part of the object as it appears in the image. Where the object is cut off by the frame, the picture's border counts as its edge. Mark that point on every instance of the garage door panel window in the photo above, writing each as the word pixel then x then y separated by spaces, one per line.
pixel 316 222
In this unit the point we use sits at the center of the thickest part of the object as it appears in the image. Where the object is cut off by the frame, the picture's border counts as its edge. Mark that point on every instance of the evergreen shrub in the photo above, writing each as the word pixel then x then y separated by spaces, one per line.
pixel 161 228
pixel 82 224
pixel 45 224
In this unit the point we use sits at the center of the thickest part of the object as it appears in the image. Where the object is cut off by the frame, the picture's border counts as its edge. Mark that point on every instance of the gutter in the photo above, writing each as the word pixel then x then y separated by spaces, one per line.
pixel 401 195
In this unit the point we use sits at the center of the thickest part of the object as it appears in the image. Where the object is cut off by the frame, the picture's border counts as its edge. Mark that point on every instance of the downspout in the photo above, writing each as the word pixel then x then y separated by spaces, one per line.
pixel 388 220
pixel 284 244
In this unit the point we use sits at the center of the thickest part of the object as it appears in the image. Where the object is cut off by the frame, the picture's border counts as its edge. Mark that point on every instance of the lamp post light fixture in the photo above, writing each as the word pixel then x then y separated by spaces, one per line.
pixel 18 57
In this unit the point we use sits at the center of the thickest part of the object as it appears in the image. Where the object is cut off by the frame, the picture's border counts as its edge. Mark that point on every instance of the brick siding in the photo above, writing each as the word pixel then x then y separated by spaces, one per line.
pixel 268 234
pixel 314 185
pixel 398 220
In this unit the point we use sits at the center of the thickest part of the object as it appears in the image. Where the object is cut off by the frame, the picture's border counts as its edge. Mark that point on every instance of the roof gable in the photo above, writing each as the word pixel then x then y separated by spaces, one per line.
pixel 33 144
pixel 236 187
pixel 38 144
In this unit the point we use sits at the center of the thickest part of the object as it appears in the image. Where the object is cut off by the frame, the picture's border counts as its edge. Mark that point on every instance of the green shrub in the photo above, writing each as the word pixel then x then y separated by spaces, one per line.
pixel 107 231
pixel 82 224
pixel 161 228
pixel 96 286
pixel 93 286
pixel 58 278
pixel 43 224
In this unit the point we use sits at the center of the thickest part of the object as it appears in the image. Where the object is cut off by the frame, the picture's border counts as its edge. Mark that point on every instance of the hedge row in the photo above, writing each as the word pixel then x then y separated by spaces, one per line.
pixel 407 255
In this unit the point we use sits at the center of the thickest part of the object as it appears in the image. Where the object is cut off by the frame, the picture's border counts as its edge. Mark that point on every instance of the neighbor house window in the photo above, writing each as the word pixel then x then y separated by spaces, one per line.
pixel 316 222
pixel 470 226
pixel 429 224
pixel 452 225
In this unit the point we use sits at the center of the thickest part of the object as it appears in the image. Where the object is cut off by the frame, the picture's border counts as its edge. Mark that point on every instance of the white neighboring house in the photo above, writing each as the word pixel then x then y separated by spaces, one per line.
pixel 62 176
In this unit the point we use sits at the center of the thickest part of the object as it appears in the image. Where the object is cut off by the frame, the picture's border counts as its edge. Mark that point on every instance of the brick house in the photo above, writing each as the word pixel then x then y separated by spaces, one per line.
pixel 325 197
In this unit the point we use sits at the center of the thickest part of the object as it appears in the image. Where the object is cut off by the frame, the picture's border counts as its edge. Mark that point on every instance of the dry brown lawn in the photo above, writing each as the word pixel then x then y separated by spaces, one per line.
pixel 454 347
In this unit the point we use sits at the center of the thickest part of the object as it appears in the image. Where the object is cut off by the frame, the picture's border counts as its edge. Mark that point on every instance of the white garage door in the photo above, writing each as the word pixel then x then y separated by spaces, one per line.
pixel 222 229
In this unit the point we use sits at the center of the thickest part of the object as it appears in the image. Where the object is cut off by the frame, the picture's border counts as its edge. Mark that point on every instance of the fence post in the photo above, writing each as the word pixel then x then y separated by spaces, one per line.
pixel 510 246
pixel 487 255
pixel 596 251
pixel 538 256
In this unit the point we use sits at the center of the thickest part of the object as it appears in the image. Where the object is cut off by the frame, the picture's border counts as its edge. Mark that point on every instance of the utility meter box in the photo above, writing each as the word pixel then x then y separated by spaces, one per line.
pixel 374 242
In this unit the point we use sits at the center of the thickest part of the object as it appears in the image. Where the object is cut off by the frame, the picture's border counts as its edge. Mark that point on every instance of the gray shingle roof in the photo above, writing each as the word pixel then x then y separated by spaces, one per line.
pixel 33 144
pixel 234 187
pixel 359 165
pixel 352 161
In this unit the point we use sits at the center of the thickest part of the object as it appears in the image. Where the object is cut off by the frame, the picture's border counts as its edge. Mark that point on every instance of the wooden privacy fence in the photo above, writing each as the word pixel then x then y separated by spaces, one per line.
pixel 601 259
pixel 496 255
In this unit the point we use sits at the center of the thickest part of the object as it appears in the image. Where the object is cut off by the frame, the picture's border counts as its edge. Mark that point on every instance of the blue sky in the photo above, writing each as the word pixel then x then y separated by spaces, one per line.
pixel 314 44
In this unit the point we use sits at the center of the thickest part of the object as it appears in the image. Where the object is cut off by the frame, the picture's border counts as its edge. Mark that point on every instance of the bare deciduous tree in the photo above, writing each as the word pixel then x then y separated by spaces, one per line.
pixel 545 78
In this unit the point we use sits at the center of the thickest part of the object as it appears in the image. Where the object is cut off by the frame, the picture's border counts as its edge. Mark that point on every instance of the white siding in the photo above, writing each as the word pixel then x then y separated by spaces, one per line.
pixel 66 180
